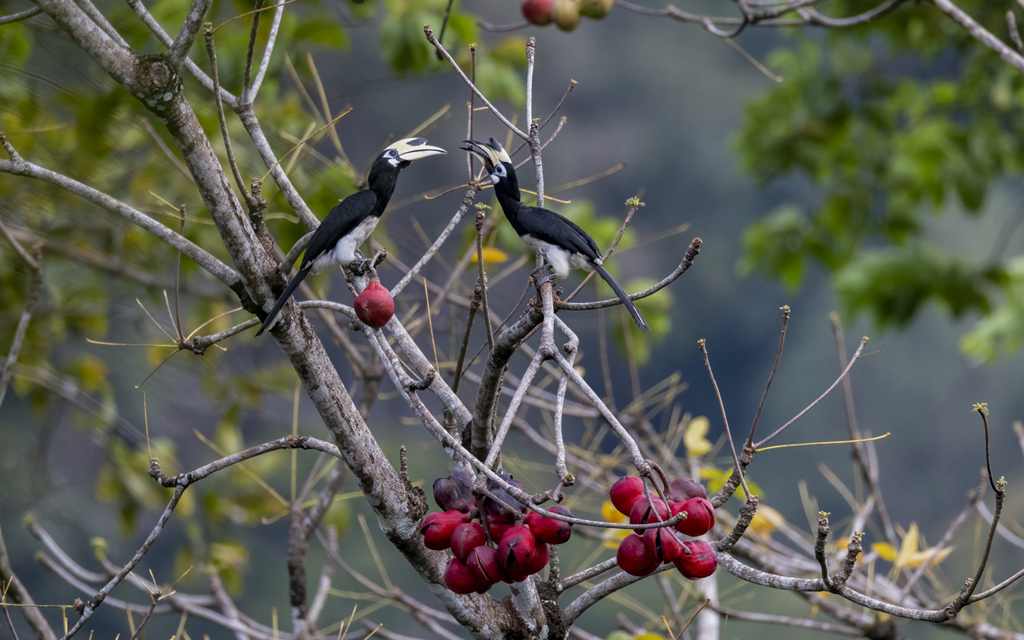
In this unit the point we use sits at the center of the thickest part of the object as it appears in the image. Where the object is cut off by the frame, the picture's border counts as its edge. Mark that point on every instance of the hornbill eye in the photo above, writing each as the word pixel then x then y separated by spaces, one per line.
pixel 392 153
pixel 500 170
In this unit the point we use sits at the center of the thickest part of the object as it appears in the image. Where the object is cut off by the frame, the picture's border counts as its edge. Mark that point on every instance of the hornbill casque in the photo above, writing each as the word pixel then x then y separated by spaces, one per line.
pixel 564 244
pixel 348 225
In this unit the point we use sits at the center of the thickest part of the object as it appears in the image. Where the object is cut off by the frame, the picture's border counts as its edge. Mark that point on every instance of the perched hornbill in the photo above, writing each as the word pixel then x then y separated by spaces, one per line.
pixel 563 243
pixel 348 225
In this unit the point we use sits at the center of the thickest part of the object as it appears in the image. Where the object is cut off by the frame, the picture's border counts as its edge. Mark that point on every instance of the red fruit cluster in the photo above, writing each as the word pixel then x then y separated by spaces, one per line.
pixel 517 547
pixel 643 551
pixel 564 13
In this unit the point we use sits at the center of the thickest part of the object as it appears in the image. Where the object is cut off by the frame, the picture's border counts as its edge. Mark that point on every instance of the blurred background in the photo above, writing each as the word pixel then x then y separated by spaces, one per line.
pixel 874 173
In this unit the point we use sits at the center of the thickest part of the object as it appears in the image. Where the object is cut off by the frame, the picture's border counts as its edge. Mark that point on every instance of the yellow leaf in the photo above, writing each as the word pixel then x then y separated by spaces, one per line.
pixel 694 438
pixel 615 536
pixel 766 520
pixel 610 513
pixel 921 557
pixel 885 551
pixel 908 547
pixel 650 636
pixel 492 255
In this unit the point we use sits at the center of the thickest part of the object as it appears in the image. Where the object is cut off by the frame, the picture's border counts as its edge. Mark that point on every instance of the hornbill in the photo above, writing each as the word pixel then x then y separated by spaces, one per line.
pixel 348 225
pixel 563 243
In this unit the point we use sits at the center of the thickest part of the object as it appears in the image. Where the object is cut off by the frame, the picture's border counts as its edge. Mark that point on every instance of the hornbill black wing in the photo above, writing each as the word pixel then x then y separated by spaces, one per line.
pixel 342 219
pixel 560 231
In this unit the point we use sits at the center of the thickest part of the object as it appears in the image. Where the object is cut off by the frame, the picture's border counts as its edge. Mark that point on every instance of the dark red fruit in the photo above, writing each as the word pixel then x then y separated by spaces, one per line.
pixel 643 513
pixel 460 580
pixel 541 555
pixel 701 561
pixel 700 516
pixel 550 530
pixel 625 492
pixel 537 11
pixel 483 564
pixel 662 544
pixel 633 558
pixel 498 511
pixel 517 548
pixel 437 528
pixel 467 537
pixel 455 492
pixel 682 489
pixel 374 305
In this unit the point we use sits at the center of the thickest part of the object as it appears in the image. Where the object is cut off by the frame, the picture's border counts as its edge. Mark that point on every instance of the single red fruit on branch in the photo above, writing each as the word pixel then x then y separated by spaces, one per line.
pixel 682 489
pixel 625 492
pixel 467 537
pixel 437 528
pixel 644 512
pixel 700 516
pixel 460 580
pixel 662 544
pixel 483 564
pixel 517 548
pixel 701 561
pixel 633 558
pixel 374 305
pixel 550 530
pixel 537 11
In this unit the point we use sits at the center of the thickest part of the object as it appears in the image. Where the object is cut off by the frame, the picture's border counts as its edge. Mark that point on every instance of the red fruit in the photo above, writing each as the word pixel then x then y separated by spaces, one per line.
pixel 460 580
pixel 517 548
pixel 700 516
pixel 662 544
pixel 565 14
pixel 643 513
pixel 625 492
pixel 701 561
pixel 483 564
pixel 374 305
pixel 467 537
pixel 455 492
pixel 682 489
pixel 540 558
pixel 497 528
pixel 633 558
pixel 537 11
pixel 437 528
pixel 550 530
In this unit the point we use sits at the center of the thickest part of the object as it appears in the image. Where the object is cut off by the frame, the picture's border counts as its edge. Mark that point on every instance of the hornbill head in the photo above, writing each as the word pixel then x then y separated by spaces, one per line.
pixel 401 153
pixel 498 165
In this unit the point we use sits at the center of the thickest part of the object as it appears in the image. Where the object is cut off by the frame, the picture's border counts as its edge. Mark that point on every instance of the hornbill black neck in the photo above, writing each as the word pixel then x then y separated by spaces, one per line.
pixel 382 179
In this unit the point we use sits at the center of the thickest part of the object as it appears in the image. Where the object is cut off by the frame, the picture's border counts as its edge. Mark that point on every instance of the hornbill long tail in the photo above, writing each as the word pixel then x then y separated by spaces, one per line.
pixel 348 225
pixel 564 244
pixel 626 302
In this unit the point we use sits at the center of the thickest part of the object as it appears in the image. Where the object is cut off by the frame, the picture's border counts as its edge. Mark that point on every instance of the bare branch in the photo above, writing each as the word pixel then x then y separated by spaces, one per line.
pixel 21 15
pixel 189 30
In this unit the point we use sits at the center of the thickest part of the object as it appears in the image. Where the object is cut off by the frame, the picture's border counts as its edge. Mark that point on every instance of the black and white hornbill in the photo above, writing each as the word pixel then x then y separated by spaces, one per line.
pixel 348 225
pixel 564 244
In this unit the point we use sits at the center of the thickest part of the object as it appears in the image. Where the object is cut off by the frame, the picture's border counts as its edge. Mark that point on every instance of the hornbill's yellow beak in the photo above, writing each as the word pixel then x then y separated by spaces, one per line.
pixel 411 149
pixel 492 153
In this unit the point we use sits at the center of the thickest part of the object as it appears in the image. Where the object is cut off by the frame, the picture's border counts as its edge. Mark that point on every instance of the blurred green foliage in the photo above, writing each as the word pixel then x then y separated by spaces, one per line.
pixel 893 122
